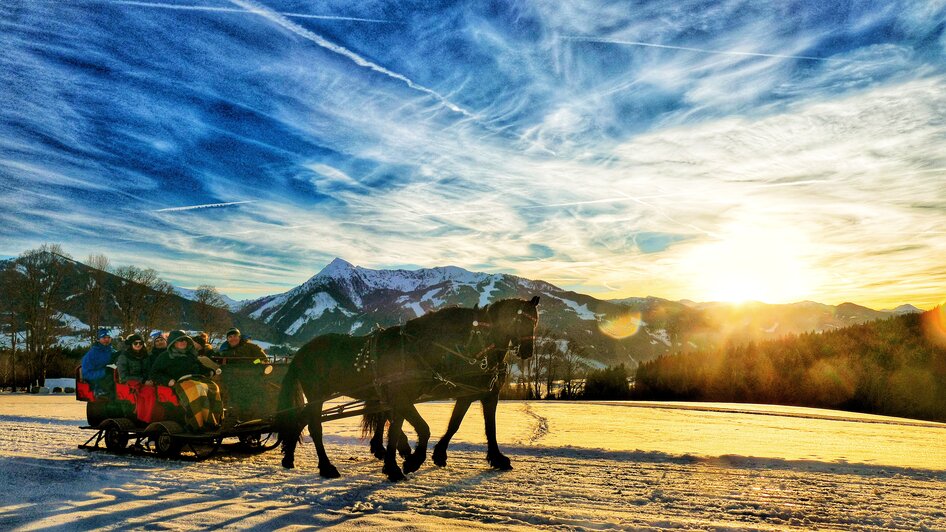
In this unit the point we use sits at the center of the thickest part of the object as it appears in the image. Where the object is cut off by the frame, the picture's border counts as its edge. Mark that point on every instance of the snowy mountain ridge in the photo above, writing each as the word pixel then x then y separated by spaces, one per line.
pixel 191 295
pixel 352 299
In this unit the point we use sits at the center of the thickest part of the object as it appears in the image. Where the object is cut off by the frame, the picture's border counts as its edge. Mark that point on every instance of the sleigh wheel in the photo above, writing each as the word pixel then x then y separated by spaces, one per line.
pixel 166 445
pixel 116 439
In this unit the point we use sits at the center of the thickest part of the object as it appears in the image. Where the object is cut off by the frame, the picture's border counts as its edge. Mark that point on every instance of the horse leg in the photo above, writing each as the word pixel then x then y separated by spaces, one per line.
pixel 459 411
pixel 495 458
pixel 391 469
pixel 289 448
pixel 326 469
pixel 414 460
pixel 291 439
pixel 377 441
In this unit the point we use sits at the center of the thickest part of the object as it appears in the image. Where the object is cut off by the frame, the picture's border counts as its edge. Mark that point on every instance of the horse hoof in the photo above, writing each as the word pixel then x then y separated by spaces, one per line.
pixel 440 457
pixel 329 472
pixel 394 474
pixel 378 451
pixel 499 462
pixel 413 464
pixel 288 463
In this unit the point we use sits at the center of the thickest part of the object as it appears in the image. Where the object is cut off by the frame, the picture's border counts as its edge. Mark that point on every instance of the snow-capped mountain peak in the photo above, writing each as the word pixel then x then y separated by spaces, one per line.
pixel 338 268
pixel 353 299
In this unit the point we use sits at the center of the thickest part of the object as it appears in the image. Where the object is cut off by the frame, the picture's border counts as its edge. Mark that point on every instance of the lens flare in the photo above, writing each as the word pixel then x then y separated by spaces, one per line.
pixel 623 326
pixel 934 325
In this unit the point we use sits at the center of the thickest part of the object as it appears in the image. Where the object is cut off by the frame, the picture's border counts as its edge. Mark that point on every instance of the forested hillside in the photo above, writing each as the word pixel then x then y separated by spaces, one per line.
pixel 895 367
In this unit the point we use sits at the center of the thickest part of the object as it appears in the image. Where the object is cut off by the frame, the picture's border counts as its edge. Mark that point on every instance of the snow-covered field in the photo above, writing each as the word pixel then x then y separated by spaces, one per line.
pixel 577 466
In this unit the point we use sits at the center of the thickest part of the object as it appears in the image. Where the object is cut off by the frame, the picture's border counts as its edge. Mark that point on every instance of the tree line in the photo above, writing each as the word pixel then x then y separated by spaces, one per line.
pixel 890 367
pixel 40 286
pixel 560 368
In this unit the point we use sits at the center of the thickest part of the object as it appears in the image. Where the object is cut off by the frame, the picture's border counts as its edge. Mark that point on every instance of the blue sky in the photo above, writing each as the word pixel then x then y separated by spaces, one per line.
pixel 702 150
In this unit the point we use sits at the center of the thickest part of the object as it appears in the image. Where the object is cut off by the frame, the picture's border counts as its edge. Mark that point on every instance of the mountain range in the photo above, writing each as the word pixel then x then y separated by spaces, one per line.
pixel 344 298
pixel 350 299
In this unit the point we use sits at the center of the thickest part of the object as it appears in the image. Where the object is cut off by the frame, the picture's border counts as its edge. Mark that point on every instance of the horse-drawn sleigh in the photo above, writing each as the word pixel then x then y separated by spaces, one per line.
pixel 458 353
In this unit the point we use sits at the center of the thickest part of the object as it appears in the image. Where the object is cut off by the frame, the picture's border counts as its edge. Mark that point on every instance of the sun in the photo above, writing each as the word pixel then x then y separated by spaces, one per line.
pixel 751 264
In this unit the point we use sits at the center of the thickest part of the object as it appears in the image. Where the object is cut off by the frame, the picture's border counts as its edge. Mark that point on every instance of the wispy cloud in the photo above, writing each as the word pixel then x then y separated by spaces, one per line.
pixel 218 9
pixel 584 38
pixel 646 165
pixel 204 206
pixel 281 20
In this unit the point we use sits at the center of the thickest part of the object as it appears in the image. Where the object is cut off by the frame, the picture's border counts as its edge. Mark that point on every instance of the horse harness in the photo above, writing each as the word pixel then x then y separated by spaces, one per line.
pixel 368 355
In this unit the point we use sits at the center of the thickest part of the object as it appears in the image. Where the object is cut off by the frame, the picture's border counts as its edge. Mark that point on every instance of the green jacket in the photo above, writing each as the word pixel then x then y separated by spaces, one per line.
pixel 244 352
pixel 133 366
pixel 174 364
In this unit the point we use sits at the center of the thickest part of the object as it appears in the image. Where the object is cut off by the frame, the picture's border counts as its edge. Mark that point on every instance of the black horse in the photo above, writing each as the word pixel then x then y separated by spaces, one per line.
pixel 451 353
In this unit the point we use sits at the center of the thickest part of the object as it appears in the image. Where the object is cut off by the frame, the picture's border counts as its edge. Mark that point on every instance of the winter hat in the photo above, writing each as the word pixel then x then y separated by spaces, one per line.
pixel 134 338
pixel 179 335
pixel 103 333
pixel 155 335
pixel 233 330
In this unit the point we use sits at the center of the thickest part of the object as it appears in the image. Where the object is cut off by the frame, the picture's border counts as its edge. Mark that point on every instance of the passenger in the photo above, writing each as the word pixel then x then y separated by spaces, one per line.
pixel 159 344
pixel 239 350
pixel 134 363
pixel 204 348
pixel 198 395
pixel 179 359
pixel 94 370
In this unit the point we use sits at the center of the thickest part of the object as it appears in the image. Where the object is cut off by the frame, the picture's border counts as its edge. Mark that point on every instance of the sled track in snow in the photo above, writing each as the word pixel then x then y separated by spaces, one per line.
pixel 542 424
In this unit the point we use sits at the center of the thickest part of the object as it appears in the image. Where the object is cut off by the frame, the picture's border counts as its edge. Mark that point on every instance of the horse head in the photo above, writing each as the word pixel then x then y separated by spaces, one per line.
pixel 513 324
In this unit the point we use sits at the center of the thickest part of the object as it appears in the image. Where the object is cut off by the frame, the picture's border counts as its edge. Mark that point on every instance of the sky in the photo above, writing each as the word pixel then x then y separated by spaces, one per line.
pixel 724 150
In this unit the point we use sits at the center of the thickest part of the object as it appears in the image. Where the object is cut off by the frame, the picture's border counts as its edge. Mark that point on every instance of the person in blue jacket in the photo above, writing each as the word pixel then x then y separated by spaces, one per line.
pixel 94 370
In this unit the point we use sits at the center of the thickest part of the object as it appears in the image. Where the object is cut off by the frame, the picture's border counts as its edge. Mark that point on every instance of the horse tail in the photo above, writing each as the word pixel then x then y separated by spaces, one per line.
pixel 369 422
pixel 288 406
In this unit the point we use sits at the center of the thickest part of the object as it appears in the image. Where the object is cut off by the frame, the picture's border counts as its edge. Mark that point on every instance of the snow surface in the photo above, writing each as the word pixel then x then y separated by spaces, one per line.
pixel 321 303
pixel 73 322
pixel 582 310
pixel 643 465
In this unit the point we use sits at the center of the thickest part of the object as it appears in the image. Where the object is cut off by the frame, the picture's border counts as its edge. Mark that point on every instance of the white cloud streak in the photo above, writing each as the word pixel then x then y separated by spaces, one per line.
pixel 287 24
pixel 585 38
pixel 184 7
pixel 204 206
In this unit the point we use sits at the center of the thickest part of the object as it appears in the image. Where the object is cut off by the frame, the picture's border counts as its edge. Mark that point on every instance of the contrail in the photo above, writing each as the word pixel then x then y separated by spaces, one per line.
pixel 281 20
pixel 700 50
pixel 205 206
pixel 183 7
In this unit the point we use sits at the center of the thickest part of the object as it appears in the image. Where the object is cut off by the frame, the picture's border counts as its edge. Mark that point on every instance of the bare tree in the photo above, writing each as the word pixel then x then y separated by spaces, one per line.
pixel 43 273
pixel 95 292
pixel 145 301
pixel 212 312
pixel 572 369
pixel 11 318
pixel 163 310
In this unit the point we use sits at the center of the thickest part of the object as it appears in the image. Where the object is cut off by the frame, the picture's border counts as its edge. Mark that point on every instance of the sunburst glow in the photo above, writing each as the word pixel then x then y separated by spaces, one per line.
pixel 751 263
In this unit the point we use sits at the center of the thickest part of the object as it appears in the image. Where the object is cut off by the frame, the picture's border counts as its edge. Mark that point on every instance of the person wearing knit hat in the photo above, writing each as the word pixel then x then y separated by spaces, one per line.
pixel 240 350
pixel 134 363
pixel 94 362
